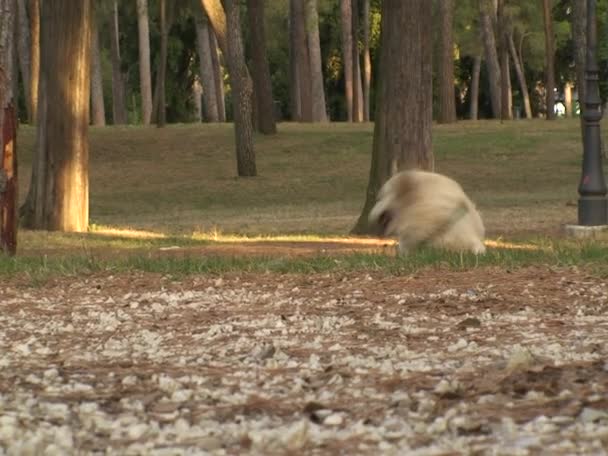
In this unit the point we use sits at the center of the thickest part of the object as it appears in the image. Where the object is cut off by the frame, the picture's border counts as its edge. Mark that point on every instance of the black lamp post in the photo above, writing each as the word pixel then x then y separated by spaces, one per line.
pixel 592 204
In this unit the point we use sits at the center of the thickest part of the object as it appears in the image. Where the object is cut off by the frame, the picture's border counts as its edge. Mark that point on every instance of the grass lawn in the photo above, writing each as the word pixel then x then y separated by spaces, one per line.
pixel 154 188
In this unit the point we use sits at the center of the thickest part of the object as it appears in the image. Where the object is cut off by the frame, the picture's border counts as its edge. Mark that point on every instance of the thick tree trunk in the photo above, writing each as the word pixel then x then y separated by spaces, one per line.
pixel 261 73
pixel 367 62
pixel 98 111
pixel 474 99
pixel 60 187
pixel 503 26
pixel 549 59
pixel 319 110
pixel 145 78
pixel 34 10
pixel 302 59
pixel 8 132
pixel 491 55
pixel 347 54
pixel 294 77
pixel 218 76
pixel 402 137
pixel 447 99
pixel 160 107
pixel 523 85
pixel 119 109
pixel 242 93
pixel 210 107
pixel 357 86
pixel 24 46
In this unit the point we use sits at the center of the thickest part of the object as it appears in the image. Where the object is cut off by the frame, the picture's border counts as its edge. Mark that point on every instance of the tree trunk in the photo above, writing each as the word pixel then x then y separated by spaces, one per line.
pixel 119 109
pixel 319 110
pixel 8 132
pixel 145 78
pixel 302 59
pixel 242 92
pixel 503 26
pixel 549 59
pixel 347 54
pixel 24 46
pixel 34 10
pixel 367 62
pixel 98 111
pixel 523 86
pixel 568 98
pixel 357 87
pixel 197 95
pixel 160 106
pixel 491 55
pixel 579 34
pixel 60 187
pixel 261 73
pixel 294 77
pixel 447 103
pixel 402 137
pixel 210 107
pixel 218 76
pixel 474 106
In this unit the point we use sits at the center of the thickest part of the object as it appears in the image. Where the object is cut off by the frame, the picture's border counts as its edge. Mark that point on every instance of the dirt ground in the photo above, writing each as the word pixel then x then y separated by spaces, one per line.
pixel 485 361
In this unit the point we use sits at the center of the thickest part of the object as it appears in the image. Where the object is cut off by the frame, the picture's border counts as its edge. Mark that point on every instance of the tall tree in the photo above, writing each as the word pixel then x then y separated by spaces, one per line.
pixel 487 14
pixel 24 46
pixel 59 190
pixel 261 73
pixel 402 131
pixel 98 110
pixel 119 107
pixel 8 132
pixel 203 44
pixel 319 110
pixel 521 77
pixel 579 34
pixel 227 27
pixel 347 54
pixel 145 78
pixel 549 58
pixel 218 76
pixel 447 99
pixel 301 58
pixel 357 86
pixel 503 27
pixel 474 99
pixel 294 77
pixel 34 15
pixel 367 62
pixel 160 109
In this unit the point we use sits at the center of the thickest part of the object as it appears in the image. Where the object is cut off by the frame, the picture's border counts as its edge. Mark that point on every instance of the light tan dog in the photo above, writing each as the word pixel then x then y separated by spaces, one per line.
pixel 425 207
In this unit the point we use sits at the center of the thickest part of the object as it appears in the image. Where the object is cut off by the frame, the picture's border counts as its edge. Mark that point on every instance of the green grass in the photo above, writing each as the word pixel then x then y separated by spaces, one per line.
pixel 177 186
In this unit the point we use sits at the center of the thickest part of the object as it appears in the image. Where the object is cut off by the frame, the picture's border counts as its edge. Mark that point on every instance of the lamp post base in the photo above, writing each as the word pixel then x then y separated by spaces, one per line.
pixel 587 232
pixel 593 211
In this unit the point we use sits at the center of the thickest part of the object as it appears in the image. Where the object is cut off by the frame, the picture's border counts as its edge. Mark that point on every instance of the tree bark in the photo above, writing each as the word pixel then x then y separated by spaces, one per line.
pixel 218 76
pixel 98 111
pixel 447 103
pixel 503 26
pixel 568 98
pixel 549 59
pixel 302 59
pixel 160 107
pixel 579 34
pixel 367 62
pixel 60 187
pixel 8 132
pixel 491 55
pixel 347 54
pixel 523 85
pixel 34 10
pixel 119 109
pixel 357 86
pixel 261 73
pixel 210 107
pixel 145 77
pixel 294 77
pixel 319 110
pixel 24 46
pixel 242 93
pixel 474 99
pixel 402 137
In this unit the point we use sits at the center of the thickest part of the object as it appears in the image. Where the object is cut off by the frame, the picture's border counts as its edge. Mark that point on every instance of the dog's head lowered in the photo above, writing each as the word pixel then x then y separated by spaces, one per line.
pixel 394 196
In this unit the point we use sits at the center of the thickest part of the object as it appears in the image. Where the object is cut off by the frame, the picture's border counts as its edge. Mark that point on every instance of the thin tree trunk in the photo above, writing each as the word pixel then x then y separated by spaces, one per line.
pixel 503 27
pixel 210 106
pixel 161 110
pixel 447 103
pixel 34 10
pixel 568 98
pixel 357 87
pixel 579 34
pixel 8 132
pixel 367 62
pixel 319 110
pixel 523 86
pixel 119 109
pixel 145 77
pixel 242 93
pixel 98 111
pixel 261 73
pixel 60 184
pixel 302 59
pixel 474 107
pixel 197 95
pixel 491 56
pixel 347 54
pixel 549 59
pixel 24 46
pixel 402 137
pixel 294 76
pixel 218 76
